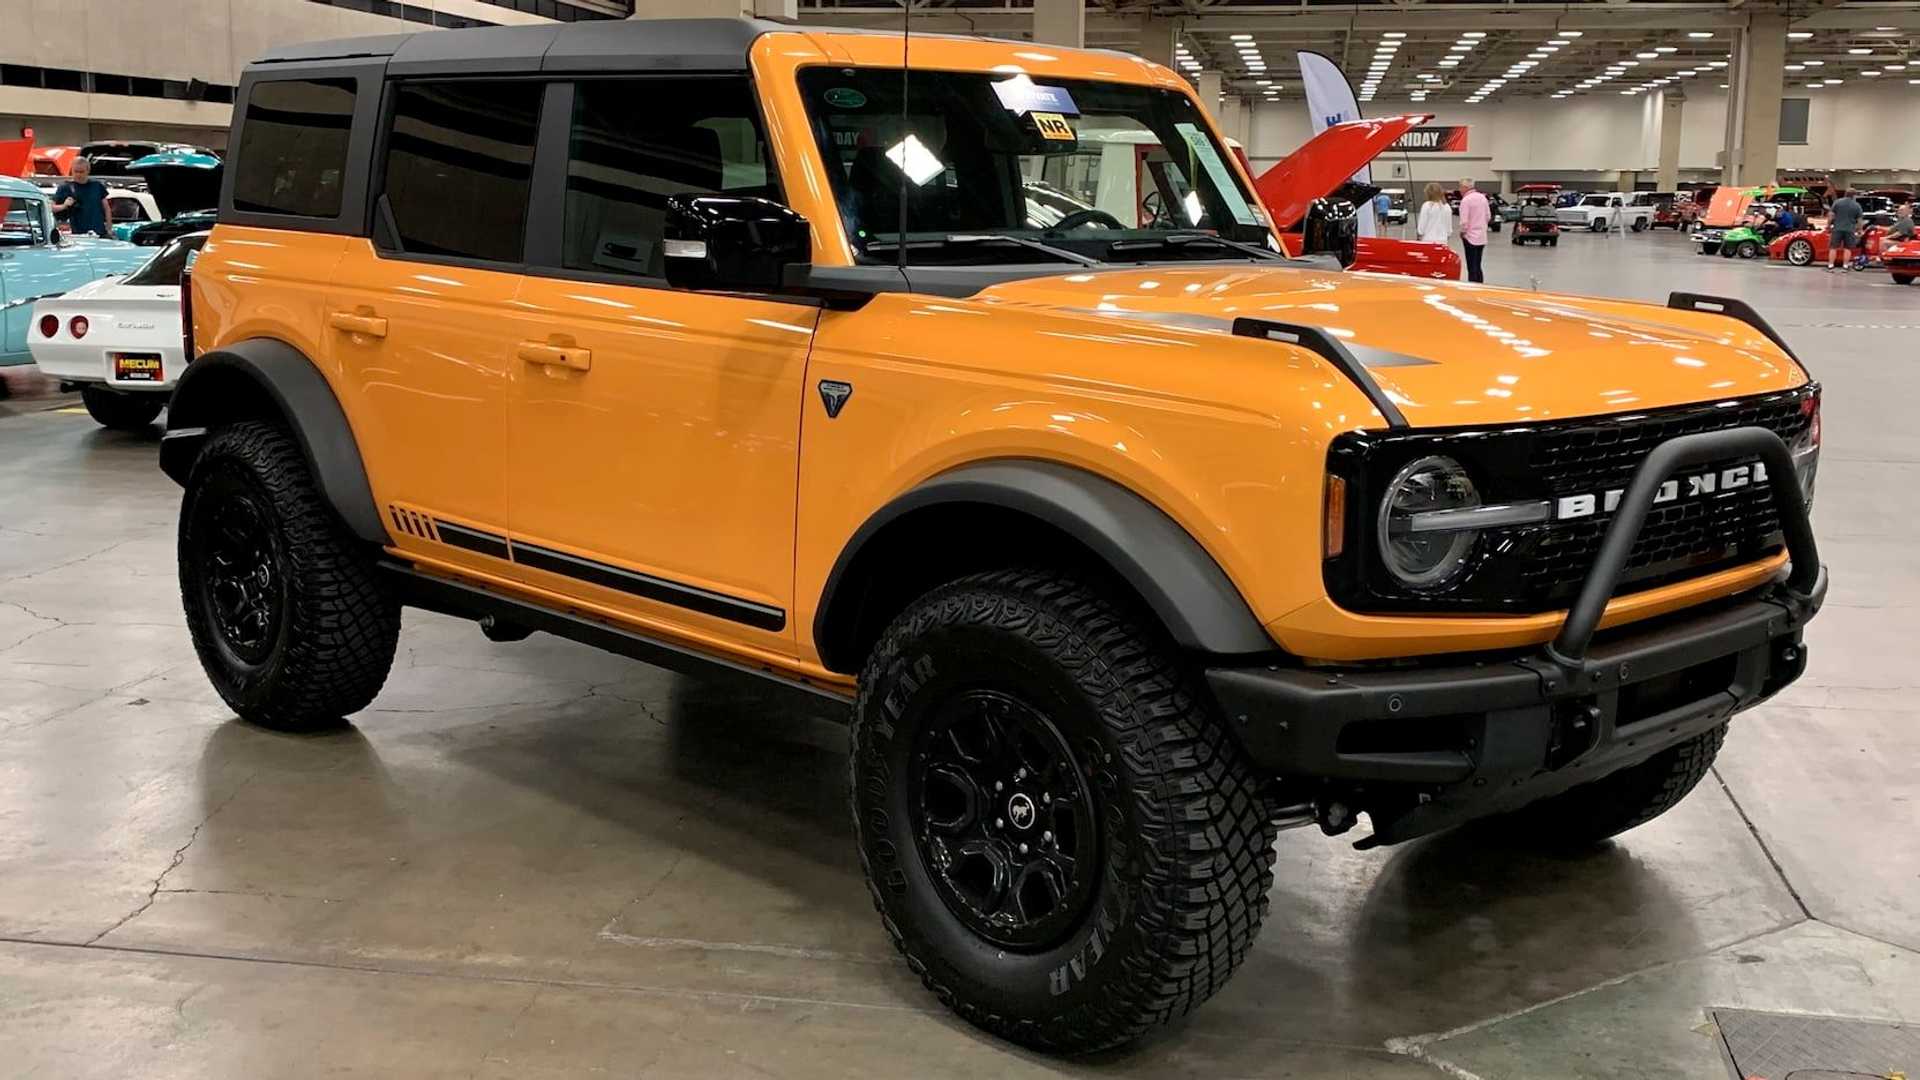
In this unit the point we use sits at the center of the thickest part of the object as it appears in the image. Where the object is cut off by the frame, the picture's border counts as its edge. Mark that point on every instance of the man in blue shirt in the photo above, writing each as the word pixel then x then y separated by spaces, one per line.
pixel 84 200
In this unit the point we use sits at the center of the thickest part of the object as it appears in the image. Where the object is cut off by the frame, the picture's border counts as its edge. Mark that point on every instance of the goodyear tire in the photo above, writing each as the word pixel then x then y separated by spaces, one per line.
pixel 1800 253
pixel 290 621
pixel 1627 799
pixel 121 412
pixel 1058 832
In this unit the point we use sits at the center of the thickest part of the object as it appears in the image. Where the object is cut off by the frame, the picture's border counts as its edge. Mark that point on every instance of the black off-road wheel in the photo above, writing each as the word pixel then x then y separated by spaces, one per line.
pixel 1057 830
pixel 1609 806
pixel 121 412
pixel 292 625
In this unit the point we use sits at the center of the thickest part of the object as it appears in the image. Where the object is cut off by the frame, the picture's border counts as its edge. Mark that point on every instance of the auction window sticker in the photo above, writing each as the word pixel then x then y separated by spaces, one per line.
pixel 1217 171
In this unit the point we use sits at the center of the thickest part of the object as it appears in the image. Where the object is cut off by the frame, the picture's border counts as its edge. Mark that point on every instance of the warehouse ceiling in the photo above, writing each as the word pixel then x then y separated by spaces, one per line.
pixel 1446 50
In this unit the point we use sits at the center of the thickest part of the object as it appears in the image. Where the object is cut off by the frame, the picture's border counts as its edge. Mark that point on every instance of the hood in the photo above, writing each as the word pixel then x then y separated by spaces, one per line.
pixel 1448 354
pixel 16 156
pixel 1326 161
pixel 180 182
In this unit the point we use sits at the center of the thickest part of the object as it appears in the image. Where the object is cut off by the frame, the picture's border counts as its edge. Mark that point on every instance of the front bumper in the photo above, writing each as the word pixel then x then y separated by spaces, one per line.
pixel 1424 748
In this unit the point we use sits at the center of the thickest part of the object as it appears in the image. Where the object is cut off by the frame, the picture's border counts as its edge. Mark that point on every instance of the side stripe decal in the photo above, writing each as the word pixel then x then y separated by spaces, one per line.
pixel 690 597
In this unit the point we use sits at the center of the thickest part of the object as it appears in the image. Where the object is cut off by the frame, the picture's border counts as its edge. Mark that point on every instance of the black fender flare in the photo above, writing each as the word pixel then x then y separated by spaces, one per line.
pixel 1179 580
pixel 219 386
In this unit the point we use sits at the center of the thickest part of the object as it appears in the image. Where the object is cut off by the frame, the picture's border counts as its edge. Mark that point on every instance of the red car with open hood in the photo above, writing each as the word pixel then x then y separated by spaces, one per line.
pixel 1319 167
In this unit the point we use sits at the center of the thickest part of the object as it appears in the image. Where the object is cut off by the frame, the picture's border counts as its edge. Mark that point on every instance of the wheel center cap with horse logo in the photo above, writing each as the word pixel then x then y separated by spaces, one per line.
pixel 1020 811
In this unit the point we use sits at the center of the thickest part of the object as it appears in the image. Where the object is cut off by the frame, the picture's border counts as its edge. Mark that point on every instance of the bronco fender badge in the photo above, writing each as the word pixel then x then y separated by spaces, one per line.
pixel 834 395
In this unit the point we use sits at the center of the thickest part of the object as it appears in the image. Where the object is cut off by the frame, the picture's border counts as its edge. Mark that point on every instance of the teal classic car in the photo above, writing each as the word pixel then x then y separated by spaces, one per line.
pixel 36 261
pixel 185 184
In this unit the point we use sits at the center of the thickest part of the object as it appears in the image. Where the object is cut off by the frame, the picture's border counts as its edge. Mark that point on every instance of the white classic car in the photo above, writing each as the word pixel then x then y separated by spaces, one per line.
pixel 117 339
pixel 1605 210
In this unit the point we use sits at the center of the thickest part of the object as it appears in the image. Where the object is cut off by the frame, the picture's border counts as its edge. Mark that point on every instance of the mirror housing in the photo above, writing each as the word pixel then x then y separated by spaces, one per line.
pixel 733 242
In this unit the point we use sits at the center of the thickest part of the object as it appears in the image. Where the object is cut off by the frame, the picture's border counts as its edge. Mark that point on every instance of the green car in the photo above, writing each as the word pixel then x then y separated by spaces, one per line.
pixel 1744 241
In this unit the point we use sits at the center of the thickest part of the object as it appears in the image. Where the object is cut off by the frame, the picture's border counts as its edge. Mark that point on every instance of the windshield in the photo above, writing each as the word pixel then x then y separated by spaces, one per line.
pixel 165 267
pixel 1077 165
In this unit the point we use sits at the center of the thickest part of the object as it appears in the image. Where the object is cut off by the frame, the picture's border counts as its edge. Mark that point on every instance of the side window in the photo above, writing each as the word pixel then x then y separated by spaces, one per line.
pixel 459 166
pixel 293 147
pixel 625 157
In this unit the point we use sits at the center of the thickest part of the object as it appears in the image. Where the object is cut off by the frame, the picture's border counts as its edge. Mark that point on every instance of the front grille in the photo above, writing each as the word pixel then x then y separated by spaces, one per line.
pixel 1680 539
pixel 1540 567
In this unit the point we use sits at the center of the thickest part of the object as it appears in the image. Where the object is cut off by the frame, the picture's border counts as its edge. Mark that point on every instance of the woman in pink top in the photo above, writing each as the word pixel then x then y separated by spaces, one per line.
pixel 1474 215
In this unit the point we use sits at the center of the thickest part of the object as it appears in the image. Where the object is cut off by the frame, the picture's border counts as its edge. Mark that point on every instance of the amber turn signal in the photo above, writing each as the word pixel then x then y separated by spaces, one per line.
pixel 1334 535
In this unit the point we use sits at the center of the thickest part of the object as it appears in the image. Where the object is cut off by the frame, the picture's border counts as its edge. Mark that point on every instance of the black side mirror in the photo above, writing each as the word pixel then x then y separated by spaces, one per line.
pixel 733 242
pixel 1331 227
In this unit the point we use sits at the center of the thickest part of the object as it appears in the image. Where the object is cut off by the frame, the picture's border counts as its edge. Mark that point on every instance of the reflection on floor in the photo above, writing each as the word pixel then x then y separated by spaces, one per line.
pixel 536 860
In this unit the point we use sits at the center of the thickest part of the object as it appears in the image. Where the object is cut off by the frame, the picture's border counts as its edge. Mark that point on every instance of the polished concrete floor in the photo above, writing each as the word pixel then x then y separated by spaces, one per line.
pixel 535 860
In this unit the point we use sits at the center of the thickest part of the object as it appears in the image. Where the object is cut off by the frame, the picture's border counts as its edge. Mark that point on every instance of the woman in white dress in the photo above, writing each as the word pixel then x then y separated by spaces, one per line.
pixel 1435 225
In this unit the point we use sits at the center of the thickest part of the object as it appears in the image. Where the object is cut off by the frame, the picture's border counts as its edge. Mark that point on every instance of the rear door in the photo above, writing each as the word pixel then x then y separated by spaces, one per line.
pixel 655 431
pixel 420 316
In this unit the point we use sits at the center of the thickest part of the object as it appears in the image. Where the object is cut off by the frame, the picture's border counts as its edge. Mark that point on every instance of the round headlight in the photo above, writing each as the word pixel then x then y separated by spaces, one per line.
pixel 1420 549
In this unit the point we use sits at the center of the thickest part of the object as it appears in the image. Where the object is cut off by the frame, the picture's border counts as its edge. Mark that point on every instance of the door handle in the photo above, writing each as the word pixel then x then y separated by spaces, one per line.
pixel 352 323
pixel 571 357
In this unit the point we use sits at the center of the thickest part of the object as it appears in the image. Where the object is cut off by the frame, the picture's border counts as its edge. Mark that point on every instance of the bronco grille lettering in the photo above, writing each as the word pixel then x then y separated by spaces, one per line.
pixel 1568 507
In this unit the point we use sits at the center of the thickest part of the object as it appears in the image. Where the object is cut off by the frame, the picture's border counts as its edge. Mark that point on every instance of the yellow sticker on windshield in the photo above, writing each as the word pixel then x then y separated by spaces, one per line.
pixel 1054 126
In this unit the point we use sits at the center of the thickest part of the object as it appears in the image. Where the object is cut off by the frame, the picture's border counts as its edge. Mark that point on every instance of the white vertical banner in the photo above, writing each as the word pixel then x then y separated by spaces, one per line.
pixel 1330 101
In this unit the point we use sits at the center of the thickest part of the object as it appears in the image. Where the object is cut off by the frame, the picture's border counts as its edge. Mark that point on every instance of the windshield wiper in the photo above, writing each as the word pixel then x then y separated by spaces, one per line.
pixel 1178 240
pixel 983 239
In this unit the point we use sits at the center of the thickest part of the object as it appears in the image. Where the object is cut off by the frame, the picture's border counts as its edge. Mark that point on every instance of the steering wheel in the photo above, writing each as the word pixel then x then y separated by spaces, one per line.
pixel 1087 217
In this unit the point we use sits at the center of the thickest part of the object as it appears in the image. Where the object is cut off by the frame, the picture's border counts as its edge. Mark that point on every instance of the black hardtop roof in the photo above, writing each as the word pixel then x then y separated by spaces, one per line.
pixel 609 44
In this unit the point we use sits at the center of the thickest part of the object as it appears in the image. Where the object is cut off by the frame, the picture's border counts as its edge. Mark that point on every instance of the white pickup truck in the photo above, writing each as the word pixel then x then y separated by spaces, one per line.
pixel 1605 210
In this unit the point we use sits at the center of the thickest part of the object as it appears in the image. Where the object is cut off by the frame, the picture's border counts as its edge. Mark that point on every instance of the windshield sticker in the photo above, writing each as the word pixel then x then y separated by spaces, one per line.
pixel 1053 126
pixel 844 97
pixel 1217 171
pixel 1022 95
pixel 914 159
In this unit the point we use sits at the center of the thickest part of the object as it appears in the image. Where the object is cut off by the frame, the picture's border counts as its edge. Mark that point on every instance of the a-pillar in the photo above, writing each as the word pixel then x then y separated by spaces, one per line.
pixel 715 9
pixel 1060 22
pixel 1753 100
pixel 1672 103
pixel 1157 39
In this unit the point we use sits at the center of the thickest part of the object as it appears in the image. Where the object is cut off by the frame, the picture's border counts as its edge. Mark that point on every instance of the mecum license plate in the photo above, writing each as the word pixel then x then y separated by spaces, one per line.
pixel 137 367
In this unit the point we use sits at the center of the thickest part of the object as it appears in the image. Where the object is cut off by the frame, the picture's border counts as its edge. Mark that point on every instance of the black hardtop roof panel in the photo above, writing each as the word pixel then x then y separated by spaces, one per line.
pixel 599 45
pixel 479 50
pixel 657 45
pixel 336 49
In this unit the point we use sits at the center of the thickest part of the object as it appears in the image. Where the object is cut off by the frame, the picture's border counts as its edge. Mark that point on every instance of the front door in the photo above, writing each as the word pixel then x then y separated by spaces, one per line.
pixel 655 431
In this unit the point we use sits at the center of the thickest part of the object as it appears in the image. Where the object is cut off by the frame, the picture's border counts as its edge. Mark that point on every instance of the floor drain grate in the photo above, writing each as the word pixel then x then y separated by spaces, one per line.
pixel 1792 1046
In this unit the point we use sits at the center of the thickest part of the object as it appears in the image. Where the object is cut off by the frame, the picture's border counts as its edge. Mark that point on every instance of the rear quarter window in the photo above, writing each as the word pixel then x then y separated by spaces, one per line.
pixel 292 157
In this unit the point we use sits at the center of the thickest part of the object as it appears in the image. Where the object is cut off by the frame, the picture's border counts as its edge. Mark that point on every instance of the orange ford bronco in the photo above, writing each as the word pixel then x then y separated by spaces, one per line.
pixel 977 398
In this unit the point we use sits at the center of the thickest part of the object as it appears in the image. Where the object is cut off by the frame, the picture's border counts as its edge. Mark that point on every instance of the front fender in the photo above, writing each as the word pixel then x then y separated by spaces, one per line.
pixel 1176 577
pixel 262 378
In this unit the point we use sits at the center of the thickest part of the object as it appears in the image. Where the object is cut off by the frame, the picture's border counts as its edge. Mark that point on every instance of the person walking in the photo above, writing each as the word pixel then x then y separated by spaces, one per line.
pixel 84 200
pixel 1435 224
pixel 1843 230
pixel 1475 213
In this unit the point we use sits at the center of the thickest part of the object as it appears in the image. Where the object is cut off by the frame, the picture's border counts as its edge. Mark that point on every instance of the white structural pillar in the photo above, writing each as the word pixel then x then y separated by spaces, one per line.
pixel 1060 22
pixel 1753 100
pixel 1209 87
pixel 1672 104
pixel 715 9
pixel 1157 38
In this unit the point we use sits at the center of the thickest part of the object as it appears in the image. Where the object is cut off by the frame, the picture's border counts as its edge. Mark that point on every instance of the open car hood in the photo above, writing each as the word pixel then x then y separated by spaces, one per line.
pixel 180 182
pixel 1326 161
